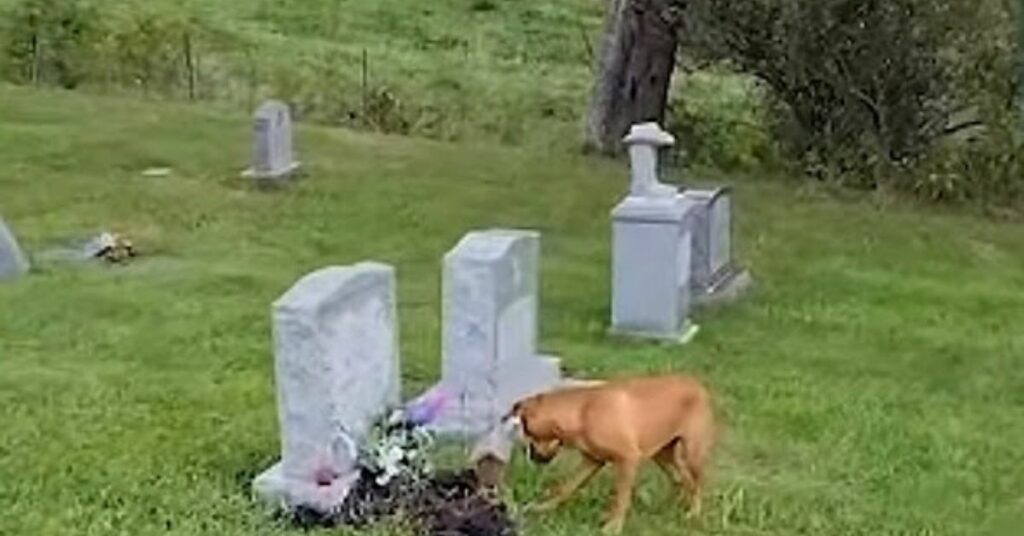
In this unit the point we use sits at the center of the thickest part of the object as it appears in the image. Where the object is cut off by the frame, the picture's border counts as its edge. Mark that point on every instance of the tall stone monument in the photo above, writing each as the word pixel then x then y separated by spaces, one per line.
pixel 652 242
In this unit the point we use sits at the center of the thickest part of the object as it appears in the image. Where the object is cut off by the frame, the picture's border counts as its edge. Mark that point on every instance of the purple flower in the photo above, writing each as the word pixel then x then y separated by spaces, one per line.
pixel 428 407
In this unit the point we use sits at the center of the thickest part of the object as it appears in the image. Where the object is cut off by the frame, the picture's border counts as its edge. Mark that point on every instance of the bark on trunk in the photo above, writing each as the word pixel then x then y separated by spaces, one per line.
pixel 638 53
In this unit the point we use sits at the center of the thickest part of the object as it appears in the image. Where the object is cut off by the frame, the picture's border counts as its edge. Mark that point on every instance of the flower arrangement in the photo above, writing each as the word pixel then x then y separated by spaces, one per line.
pixel 398 444
pixel 397 479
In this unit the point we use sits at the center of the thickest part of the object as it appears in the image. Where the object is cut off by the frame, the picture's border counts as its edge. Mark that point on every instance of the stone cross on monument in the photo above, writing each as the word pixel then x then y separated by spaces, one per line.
pixel 671 249
pixel 652 243
pixel 644 141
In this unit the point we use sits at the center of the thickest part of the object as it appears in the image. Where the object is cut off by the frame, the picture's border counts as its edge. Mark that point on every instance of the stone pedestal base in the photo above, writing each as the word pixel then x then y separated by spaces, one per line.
pixel 651 268
pixel 280 491
pixel 683 336
pixel 262 177
pixel 473 413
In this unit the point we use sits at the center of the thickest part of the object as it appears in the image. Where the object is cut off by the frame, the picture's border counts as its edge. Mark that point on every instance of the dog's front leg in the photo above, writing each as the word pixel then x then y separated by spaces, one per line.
pixel 565 491
pixel 625 478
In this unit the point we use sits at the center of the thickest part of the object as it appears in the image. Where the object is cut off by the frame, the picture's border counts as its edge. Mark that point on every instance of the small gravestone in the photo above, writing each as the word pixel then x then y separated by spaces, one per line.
pixel 651 242
pixel 272 156
pixel 13 262
pixel 716 277
pixel 337 368
pixel 490 358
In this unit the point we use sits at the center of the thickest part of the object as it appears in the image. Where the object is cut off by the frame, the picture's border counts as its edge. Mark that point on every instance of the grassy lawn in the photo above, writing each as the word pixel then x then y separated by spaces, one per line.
pixel 872 385
pixel 515 72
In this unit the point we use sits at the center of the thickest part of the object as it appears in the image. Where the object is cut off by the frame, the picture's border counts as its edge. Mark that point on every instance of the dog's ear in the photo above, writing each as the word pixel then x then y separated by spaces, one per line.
pixel 516 411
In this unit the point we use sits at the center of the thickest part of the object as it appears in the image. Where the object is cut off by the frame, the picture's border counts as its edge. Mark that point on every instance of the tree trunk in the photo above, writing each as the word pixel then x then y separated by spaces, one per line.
pixel 190 66
pixel 1020 72
pixel 638 53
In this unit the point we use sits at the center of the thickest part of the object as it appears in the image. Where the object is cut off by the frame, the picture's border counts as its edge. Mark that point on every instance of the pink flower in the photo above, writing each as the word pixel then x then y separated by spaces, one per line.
pixel 427 407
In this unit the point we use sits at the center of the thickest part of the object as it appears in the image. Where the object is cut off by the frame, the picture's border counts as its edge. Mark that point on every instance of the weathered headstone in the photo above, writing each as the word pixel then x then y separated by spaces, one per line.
pixel 13 262
pixel 272 155
pixel 337 369
pixel 716 277
pixel 651 242
pixel 490 359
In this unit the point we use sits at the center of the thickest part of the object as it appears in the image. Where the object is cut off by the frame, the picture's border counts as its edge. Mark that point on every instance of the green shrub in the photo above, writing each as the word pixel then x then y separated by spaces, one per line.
pixel 864 91
pixel 721 120
pixel 47 41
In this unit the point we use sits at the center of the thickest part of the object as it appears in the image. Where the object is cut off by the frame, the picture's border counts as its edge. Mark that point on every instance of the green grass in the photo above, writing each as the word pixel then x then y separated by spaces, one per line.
pixel 517 72
pixel 509 71
pixel 872 385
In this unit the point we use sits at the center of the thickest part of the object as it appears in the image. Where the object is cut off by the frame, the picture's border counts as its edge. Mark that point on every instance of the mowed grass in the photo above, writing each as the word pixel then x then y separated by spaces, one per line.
pixel 873 384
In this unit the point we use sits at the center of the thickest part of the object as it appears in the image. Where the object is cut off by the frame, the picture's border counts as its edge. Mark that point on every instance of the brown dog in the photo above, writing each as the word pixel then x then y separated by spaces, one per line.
pixel 666 418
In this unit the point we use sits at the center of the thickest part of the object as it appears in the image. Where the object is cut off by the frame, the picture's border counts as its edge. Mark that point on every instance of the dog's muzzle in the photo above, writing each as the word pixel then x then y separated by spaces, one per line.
pixel 538 457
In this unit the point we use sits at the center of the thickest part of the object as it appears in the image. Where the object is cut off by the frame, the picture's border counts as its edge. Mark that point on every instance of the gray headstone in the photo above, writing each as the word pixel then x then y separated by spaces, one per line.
pixel 708 222
pixel 272 156
pixel 651 268
pixel 337 368
pixel 13 262
pixel 491 281
pixel 720 233
pixel 716 278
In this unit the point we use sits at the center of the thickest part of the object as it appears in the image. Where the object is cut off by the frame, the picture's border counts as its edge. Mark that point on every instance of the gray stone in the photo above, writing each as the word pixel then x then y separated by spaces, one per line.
pixel 651 267
pixel 700 224
pixel 490 358
pixel 157 173
pixel 716 279
pixel 272 157
pixel 337 369
pixel 726 291
pixel 13 262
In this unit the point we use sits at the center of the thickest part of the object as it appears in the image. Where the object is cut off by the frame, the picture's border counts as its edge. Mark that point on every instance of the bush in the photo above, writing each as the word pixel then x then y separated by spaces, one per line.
pixel 46 41
pixel 860 79
pixel 721 121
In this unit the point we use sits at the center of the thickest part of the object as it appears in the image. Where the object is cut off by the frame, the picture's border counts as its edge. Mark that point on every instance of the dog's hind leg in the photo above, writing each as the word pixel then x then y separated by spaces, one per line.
pixel 565 491
pixel 689 458
pixel 666 460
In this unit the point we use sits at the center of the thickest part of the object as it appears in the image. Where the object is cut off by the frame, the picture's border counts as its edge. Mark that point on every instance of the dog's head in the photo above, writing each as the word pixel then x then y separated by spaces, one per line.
pixel 539 428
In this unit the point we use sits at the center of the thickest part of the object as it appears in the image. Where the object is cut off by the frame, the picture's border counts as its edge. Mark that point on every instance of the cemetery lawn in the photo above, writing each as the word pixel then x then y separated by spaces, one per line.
pixel 872 385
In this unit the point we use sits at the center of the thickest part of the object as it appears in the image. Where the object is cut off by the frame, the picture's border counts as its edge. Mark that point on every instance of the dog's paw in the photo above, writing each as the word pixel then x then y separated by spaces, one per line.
pixel 612 527
pixel 693 512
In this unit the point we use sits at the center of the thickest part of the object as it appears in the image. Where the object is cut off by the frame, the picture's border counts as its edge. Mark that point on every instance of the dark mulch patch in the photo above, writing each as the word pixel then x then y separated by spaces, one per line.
pixel 446 504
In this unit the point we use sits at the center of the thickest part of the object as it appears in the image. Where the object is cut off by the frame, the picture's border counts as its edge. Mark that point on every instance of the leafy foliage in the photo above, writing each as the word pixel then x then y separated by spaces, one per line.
pixel 866 89
pixel 860 79
pixel 46 42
